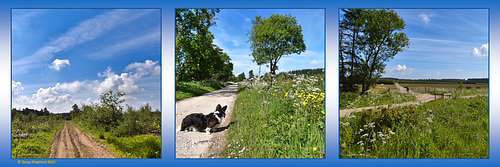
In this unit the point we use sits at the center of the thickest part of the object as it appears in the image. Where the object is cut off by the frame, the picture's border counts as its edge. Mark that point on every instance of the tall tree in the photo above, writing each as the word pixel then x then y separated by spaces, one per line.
pixel 193 43
pixel 250 74
pixel 274 37
pixel 370 37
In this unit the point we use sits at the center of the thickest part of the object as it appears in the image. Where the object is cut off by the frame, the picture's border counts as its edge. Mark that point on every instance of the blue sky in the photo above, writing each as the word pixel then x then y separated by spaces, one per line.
pixel 444 43
pixel 62 57
pixel 231 35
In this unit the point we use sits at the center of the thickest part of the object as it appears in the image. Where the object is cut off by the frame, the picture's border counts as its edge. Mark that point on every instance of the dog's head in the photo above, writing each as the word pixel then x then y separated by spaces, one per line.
pixel 220 111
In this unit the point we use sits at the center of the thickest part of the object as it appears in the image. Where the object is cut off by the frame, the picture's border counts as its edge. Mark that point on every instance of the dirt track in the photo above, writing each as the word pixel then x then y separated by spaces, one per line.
pixel 199 144
pixel 70 142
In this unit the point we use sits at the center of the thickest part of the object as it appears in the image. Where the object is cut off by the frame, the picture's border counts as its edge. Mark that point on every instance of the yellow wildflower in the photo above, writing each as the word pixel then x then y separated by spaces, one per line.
pixel 314 148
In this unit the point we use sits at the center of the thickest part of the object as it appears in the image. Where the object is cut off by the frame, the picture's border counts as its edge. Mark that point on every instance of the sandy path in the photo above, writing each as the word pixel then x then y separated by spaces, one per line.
pixel 199 144
pixel 71 142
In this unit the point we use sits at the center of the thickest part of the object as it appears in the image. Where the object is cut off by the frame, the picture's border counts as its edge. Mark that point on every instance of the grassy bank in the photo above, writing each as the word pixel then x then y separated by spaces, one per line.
pixel 139 146
pixel 285 120
pixel 450 128
pixel 40 132
pixel 185 90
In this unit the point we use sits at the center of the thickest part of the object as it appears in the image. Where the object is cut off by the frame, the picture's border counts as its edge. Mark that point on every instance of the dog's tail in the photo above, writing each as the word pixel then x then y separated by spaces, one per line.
pixel 178 128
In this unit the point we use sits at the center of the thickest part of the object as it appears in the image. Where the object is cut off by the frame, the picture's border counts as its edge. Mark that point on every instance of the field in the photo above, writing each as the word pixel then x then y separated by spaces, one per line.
pixel 285 120
pixel 440 88
pixel 449 128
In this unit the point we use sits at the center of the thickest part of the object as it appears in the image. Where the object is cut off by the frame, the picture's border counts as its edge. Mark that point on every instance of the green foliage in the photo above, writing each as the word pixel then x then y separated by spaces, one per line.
pixel 196 57
pixel 460 85
pixel 451 128
pixel 285 120
pixel 40 131
pixel 369 38
pixel 140 146
pixel 385 81
pixel 132 134
pixel 250 74
pixel 274 37
pixel 241 77
pixel 185 90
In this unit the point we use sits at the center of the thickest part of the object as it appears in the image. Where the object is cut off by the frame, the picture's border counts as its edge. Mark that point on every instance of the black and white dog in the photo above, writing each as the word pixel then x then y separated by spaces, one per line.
pixel 199 121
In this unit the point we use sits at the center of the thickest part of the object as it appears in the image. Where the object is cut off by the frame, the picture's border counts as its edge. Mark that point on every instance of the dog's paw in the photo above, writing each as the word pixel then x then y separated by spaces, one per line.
pixel 207 132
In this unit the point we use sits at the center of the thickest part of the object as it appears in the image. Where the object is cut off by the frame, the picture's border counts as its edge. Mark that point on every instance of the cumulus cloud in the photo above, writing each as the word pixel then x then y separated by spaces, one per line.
pixel 123 83
pixel 58 64
pixel 402 69
pixel 425 17
pixel 142 69
pixel 59 98
pixel 16 88
pixel 481 52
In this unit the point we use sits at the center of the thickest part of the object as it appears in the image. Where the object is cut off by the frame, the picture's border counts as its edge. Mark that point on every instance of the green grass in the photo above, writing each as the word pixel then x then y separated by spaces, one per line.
pixel 41 131
pixel 139 146
pixel 282 121
pixel 450 128
pixel 185 90
pixel 355 100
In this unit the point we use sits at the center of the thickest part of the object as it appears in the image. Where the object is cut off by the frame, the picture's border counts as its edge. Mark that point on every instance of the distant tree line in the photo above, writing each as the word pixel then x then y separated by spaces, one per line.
pixel 441 81
pixel 42 112
pixel 318 71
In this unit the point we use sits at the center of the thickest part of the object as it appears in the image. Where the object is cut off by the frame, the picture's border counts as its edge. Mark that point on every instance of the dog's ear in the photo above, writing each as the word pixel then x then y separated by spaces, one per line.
pixel 218 108
pixel 224 108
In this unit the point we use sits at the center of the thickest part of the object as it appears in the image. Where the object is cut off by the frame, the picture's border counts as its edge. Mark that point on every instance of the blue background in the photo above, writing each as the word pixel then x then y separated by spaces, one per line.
pixel 168 148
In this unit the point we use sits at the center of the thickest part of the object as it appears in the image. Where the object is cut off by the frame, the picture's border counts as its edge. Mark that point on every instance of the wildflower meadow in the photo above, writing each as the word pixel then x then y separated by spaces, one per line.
pixel 444 128
pixel 278 117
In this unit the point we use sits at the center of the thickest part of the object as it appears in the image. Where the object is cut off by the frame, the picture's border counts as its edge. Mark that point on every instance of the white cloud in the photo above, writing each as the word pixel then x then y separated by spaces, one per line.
pixel 58 64
pixel 425 17
pixel 59 98
pixel 481 52
pixel 314 63
pixel 16 88
pixel 402 69
pixel 73 87
pixel 142 69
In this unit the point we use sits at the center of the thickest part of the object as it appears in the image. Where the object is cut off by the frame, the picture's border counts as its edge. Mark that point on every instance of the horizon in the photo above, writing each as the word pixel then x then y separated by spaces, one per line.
pixel 444 43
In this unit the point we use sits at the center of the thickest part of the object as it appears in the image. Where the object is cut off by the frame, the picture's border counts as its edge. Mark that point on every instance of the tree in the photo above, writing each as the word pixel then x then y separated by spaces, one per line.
pixel 369 38
pixel 272 38
pixel 110 111
pixel 75 111
pixel 250 74
pixel 193 43
pixel 241 77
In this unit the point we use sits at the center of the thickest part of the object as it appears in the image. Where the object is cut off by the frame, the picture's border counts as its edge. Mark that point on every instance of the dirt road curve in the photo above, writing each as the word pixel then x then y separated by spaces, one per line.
pixel 199 144
pixel 421 98
pixel 70 142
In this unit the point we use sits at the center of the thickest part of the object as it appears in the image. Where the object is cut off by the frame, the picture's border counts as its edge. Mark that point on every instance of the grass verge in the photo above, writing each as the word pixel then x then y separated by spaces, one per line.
pixel 185 90
pixel 139 146
pixel 285 120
